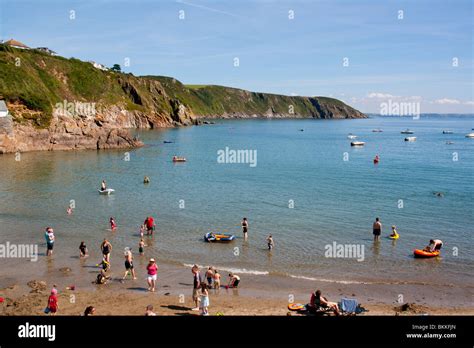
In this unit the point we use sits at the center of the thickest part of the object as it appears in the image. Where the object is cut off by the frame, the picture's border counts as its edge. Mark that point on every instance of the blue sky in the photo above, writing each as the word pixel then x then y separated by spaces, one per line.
pixel 409 59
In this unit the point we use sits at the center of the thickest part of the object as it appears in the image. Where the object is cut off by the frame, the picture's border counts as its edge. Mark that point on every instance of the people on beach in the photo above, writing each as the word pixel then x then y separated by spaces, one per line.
pixel 377 229
pixel 196 286
pixel 152 270
pixel 318 301
pixel 394 232
pixel 217 279
pixel 234 280
pixel 270 242
pixel 129 264
pixel 53 305
pixel 204 299
pixel 141 245
pixel 104 264
pixel 83 250
pixel 49 236
pixel 245 227
pixel 209 276
pixel 149 311
pixel 150 225
pixel 113 224
pixel 90 310
pixel 106 248
pixel 435 245
pixel 102 278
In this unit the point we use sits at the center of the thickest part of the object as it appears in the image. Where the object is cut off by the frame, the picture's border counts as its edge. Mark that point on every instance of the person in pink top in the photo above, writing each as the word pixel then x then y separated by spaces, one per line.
pixel 152 270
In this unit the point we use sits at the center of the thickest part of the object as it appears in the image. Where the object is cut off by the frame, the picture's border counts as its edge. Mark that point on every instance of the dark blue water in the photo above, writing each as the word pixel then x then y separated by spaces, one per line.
pixel 334 200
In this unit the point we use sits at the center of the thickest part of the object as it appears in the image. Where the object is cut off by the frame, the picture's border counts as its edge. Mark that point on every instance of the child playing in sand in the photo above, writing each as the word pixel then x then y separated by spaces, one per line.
pixel 113 225
pixel 217 280
pixel 270 242
pixel 209 276
pixel 102 278
pixel 53 305
pixel 204 299
pixel 141 245
pixel 83 249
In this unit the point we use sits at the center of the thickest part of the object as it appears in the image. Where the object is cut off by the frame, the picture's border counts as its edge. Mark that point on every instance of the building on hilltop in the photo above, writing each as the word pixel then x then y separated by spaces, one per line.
pixel 98 66
pixel 16 44
pixel 47 50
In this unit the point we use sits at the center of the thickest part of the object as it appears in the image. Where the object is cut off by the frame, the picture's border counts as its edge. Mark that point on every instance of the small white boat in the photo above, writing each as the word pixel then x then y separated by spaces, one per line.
pixel 407 131
pixel 357 143
pixel 106 191
pixel 410 139
pixel 470 135
pixel 378 130
pixel 447 132
pixel 351 136
pixel 449 143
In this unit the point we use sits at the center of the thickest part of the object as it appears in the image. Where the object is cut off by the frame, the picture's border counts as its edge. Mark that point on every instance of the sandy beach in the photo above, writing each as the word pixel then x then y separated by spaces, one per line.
pixel 257 296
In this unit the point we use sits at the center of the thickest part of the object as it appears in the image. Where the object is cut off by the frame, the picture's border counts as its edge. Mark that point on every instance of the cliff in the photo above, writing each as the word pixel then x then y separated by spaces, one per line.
pixel 58 104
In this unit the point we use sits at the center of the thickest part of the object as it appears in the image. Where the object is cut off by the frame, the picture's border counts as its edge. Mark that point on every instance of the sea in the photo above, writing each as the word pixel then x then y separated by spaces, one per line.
pixel 300 181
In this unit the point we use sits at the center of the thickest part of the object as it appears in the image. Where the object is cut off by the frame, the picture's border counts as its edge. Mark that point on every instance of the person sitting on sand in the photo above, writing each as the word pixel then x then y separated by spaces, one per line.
pixel 149 311
pixel 394 232
pixel 318 301
pixel 209 276
pixel 435 245
pixel 102 278
pixel 83 249
pixel 270 242
pixel 204 299
pixel 90 310
pixel 217 279
pixel 234 280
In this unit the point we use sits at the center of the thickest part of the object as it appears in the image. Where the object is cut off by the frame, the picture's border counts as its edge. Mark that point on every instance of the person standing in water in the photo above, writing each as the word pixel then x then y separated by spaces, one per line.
pixel 150 225
pixel 377 229
pixel 106 248
pixel 129 264
pixel 270 242
pixel 245 227
pixel 49 236
pixel 103 186
pixel 113 224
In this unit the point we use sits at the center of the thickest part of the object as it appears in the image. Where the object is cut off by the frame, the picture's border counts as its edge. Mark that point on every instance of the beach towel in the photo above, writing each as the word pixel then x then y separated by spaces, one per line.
pixel 349 305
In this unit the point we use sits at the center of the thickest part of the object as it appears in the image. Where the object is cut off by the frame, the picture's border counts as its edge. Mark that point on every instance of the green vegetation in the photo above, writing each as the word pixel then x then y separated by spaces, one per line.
pixel 39 81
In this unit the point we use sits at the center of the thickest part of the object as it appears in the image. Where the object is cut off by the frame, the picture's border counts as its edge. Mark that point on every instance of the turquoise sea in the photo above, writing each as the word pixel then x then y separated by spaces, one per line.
pixel 333 199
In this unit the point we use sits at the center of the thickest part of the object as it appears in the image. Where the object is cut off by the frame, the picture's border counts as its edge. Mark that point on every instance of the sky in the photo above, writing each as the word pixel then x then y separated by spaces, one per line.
pixel 364 52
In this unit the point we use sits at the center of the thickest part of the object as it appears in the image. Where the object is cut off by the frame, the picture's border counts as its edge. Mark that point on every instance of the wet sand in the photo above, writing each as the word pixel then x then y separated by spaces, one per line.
pixel 258 295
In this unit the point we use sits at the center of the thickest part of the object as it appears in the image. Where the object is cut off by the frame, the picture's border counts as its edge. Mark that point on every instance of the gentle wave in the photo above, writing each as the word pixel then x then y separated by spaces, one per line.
pixel 233 270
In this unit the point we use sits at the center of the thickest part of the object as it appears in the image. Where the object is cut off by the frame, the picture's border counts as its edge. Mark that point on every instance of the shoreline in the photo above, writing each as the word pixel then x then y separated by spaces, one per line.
pixel 257 295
